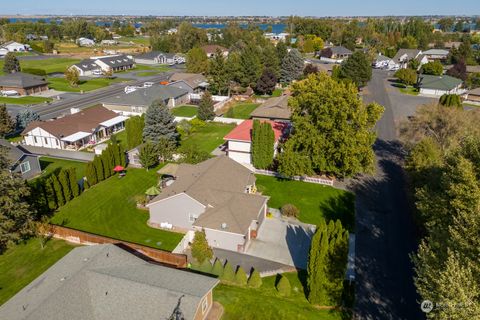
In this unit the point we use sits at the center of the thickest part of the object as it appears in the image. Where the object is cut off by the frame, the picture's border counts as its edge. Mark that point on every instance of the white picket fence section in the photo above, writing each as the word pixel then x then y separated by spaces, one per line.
pixel 323 181
pixel 228 120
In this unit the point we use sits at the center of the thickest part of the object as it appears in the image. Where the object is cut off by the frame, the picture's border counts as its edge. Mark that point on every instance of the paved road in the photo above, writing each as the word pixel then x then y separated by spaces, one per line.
pixel 385 233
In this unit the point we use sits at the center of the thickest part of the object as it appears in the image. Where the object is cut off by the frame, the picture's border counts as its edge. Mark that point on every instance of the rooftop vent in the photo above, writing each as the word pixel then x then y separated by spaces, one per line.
pixel 224 225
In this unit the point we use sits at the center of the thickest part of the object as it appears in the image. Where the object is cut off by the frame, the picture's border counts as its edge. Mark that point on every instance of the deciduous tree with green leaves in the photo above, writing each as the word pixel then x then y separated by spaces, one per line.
pixel 433 68
pixel 11 64
pixel 72 76
pixel 201 251
pixel 196 61
pixel 148 155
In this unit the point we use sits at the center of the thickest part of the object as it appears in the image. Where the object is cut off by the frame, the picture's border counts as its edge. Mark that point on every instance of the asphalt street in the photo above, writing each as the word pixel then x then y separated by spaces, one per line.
pixel 385 232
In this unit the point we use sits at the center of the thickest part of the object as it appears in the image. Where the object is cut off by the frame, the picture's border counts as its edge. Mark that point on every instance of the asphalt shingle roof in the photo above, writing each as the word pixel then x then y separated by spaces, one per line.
pixel 274 108
pixel 13 153
pixel 105 282
pixel 438 82
pixel 146 96
pixel 21 80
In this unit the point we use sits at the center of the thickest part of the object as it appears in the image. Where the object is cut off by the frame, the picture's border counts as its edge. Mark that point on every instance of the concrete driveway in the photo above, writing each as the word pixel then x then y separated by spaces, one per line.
pixel 282 242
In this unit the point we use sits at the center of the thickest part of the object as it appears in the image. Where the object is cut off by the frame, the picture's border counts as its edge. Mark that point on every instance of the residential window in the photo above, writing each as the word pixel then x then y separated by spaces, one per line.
pixel 35 139
pixel 25 167
pixel 192 217
pixel 204 304
pixel 56 140
pixel 46 141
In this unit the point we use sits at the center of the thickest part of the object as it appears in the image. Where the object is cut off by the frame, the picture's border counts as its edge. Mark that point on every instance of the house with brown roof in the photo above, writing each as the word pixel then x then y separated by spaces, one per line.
pixel 79 130
pixel 211 50
pixel 218 196
pixel 23 83
pixel 275 109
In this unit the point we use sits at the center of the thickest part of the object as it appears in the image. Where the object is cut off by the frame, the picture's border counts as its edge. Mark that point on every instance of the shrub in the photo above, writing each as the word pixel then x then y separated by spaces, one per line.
pixel 201 251
pixel 206 266
pixel 289 210
pixel 283 287
pixel 197 123
pixel 407 76
pixel 255 281
pixel 241 277
pixel 451 100
pixel 228 274
pixel 217 268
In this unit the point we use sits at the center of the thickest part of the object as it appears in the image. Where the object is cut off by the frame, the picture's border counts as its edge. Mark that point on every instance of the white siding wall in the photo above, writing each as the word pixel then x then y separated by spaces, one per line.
pixel 43 139
pixel 240 157
pixel 224 240
pixel 239 146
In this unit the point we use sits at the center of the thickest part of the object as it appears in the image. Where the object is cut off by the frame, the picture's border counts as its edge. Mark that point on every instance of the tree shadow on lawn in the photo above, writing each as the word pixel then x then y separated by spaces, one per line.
pixel 341 207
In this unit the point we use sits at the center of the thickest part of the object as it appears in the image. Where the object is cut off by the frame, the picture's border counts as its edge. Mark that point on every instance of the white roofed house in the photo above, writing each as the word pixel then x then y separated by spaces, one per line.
pixel 12 46
pixel 98 65
pixel 75 131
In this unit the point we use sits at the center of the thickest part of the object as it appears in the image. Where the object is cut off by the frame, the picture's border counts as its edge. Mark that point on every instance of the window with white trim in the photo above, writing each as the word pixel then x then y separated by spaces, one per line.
pixel 204 305
pixel 192 217
pixel 25 167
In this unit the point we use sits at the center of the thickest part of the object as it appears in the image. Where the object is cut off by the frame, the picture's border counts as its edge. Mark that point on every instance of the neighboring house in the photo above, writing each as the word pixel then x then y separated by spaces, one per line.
pixel 3 52
pixel 86 127
pixel 404 56
pixel 439 85
pixel 473 69
pixel 436 54
pixel 275 109
pixel 239 140
pixel 211 50
pixel 21 161
pixel 335 54
pixel 23 83
pixel 473 95
pixel 157 57
pixel 193 82
pixel 98 65
pixel 383 62
pixel 12 46
pixel 137 102
pixel 106 282
pixel 218 196
pixel 85 42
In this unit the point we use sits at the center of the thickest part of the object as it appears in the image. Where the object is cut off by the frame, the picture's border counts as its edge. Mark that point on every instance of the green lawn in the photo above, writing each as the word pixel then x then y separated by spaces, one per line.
pixel 49 65
pixel 122 139
pixel 185 111
pixel 143 67
pixel 209 137
pixel 314 201
pixel 24 100
pixel 50 165
pixel 275 93
pixel 61 84
pixel 24 262
pixel 242 110
pixel 147 74
pixel 266 303
pixel 410 90
pixel 109 209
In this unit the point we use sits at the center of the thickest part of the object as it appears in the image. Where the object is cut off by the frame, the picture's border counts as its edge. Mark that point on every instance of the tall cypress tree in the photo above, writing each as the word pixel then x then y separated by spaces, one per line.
pixel 72 175
pixel 58 191
pixel 97 161
pixel 105 159
pixel 91 174
pixel 256 143
pixel 51 194
pixel 65 183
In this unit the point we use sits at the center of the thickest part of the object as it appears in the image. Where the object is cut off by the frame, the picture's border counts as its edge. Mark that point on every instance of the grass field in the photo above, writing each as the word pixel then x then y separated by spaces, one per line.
pixel 49 65
pixel 209 137
pixel 185 111
pixel 409 90
pixel 122 139
pixel 275 93
pixel 24 262
pixel 266 303
pixel 24 100
pixel 109 209
pixel 147 73
pixel 50 165
pixel 314 201
pixel 61 84
pixel 242 110
pixel 156 69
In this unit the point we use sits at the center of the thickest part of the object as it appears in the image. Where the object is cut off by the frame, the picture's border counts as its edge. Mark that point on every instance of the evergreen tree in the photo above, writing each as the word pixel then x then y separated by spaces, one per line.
pixel 282 51
pixel 357 68
pixel 206 266
pixel 218 74
pixel 291 67
pixel 251 66
pixel 57 187
pixel 6 123
pixel 234 68
pixel 196 61
pixel 263 140
pixel 451 100
pixel 159 123
pixel 201 251
pixel 50 193
pixel 11 63
pixel 24 118
pixel 165 149
pixel 266 83
pixel 134 130
pixel 241 277
pixel 255 281
pixel 283 286
pixel 65 184
pixel 72 176
pixel 91 174
pixel 205 108
pixel 148 155
pixel 217 268
pixel 270 59
pixel 97 161
pixel 104 159
pixel 228 274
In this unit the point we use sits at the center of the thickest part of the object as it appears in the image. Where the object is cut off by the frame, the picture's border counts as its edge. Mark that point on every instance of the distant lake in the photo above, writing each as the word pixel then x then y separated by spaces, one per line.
pixel 276 28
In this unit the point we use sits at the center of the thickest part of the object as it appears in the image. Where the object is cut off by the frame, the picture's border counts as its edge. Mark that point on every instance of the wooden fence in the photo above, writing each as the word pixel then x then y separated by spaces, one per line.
pixel 76 236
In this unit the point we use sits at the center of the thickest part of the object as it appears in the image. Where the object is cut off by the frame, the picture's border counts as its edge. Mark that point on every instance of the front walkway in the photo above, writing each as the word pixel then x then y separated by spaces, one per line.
pixel 282 241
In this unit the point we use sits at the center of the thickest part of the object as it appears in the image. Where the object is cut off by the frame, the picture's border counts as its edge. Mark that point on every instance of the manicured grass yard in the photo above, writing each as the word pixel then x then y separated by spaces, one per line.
pixel 49 65
pixel 147 74
pixel 409 90
pixel 122 139
pixel 61 84
pixel 266 303
pixel 185 111
pixel 314 201
pixel 24 100
pixel 24 262
pixel 209 137
pixel 143 67
pixel 109 209
pixel 50 165
pixel 243 110
pixel 275 93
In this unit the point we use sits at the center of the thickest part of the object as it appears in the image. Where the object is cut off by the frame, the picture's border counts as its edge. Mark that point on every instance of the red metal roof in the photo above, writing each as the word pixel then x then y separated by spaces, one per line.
pixel 243 132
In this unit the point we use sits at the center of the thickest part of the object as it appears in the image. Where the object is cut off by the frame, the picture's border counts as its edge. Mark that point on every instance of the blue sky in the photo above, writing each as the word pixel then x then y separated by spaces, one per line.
pixel 242 7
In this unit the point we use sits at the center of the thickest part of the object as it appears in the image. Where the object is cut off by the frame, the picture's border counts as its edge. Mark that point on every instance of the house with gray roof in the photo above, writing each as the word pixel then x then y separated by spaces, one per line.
pixel 21 161
pixel 193 82
pixel 436 54
pixel 105 282
pixel 137 101
pixel 404 56
pixel 218 196
pixel 439 85
pixel 157 57
pixel 275 109
pixel 22 83
pixel 95 66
